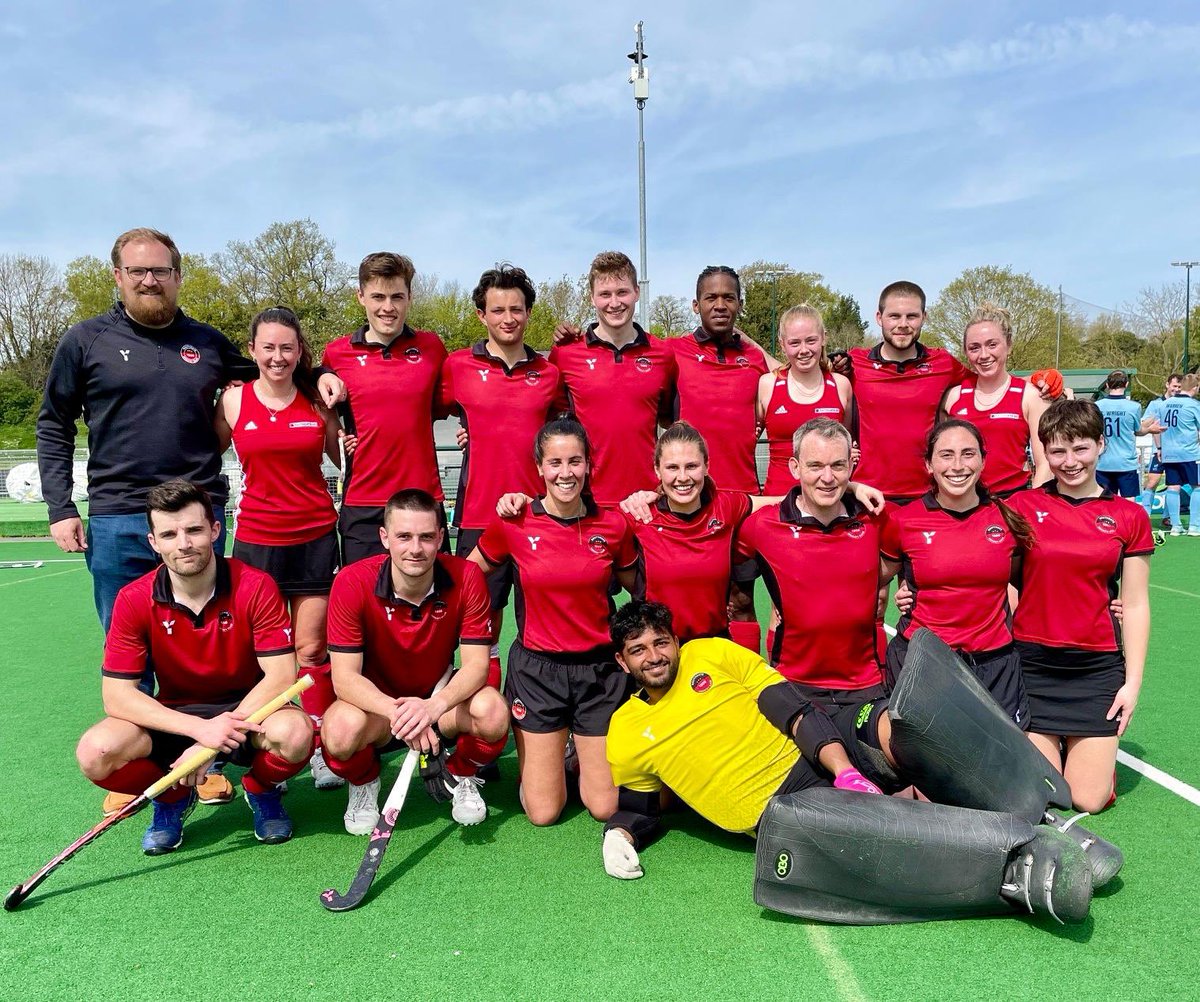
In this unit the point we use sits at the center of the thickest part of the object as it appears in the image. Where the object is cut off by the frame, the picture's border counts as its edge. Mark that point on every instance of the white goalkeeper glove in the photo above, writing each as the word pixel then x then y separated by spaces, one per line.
pixel 620 857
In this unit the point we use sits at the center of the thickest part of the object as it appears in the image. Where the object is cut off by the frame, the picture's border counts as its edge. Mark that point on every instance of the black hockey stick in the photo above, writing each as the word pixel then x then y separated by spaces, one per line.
pixel 380 836
pixel 13 899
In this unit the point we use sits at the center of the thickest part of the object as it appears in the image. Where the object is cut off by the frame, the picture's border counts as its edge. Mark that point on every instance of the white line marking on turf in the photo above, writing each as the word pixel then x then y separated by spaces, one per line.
pixel 845 983
pixel 1174 591
pixel 40 577
pixel 1155 775
pixel 58 560
pixel 1176 786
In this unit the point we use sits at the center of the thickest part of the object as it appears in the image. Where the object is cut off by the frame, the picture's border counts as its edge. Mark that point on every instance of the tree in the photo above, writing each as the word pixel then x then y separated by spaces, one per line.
pixel 447 310
pixel 1157 310
pixel 289 264
pixel 1034 311
pixel 34 312
pixel 90 287
pixel 564 300
pixel 769 288
pixel 670 315
pixel 844 325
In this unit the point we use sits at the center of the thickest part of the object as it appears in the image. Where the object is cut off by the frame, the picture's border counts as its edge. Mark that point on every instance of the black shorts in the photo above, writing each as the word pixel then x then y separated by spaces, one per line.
pixel 998 671
pixel 1068 701
pixel 743 575
pixel 298 569
pixel 551 691
pixel 1155 465
pixel 1180 473
pixel 855 713
pixel 359 528
pixel 1124 483
pixel 165 747
pixel 500 581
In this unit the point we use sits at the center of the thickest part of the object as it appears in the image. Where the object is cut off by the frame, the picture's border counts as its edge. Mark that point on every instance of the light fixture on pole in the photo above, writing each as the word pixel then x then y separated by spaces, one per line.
pixel 1187 308
pixel 639 76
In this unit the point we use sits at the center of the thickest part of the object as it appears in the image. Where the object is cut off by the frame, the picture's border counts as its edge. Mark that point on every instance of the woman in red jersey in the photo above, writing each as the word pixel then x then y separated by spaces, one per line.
pixel 1004 407
pixel 562 678
pixel 286 518
pixel 1083 669
pixel 957 549
pixel 803 389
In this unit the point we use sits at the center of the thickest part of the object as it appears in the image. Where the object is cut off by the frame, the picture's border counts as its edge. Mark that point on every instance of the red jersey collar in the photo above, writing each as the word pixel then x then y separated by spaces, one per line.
pixel 480 350
pixel 589 508
pixel 707 492
pixel 789 512
pixel 875 355
pixel 593 340
pixel 442 582
pixel 163 595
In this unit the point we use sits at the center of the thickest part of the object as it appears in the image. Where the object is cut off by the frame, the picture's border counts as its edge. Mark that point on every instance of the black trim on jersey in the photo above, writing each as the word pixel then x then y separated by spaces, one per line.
pixel 358 339
pixel 589 508
pixel 876 357
pixel 443 581
pixel 593 340
pixel 480 350
pixel 789 512
pixel 460 498
pixel 931 503
pixel 707 494
pixel 163 595
pixel 735 342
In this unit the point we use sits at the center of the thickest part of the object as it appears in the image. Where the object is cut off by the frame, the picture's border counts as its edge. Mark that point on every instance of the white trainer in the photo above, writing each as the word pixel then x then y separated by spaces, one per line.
pixel 362 812
pixel 467 806
pixel 1176 530
pixel 1193 530
pixel 324 778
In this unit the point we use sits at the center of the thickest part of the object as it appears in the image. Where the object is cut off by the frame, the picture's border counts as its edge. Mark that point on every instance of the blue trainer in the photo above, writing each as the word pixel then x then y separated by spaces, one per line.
pixel 165 833
pixel 271 822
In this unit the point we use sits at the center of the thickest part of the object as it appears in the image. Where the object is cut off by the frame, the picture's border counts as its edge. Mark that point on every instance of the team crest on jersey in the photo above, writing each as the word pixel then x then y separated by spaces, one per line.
pixel 438 610
pixel 518 710
pixel 742 361
pixel 855 529
pixel 412 354
pixel 190 354
pixel 994 534
pixel 225 621
pixel 532 377
pixel 714 524
pixel 701 682
pixel 925 367
pixel 1106 524
pixel 597 544
pixel 643 364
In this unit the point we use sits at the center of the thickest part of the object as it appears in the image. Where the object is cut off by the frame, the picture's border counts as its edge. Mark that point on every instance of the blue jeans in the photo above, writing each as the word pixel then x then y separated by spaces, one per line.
pixel 118 552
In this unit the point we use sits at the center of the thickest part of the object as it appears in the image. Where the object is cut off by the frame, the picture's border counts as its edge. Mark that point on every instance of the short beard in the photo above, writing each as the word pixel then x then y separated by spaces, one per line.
pixel 151 311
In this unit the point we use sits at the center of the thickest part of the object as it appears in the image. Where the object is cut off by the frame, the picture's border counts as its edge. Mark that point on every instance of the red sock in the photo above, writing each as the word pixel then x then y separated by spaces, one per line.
pixel 493 678
pixel 316 699
pixel 267 769
pixel 360 768
pixel 747 635
pixel 471 754
pixel 133 777
pixel 1112 797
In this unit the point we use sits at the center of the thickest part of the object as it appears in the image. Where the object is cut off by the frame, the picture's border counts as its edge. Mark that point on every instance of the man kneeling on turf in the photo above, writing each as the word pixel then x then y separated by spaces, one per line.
pixel 394 622
pixel 221 644
pixel 718 727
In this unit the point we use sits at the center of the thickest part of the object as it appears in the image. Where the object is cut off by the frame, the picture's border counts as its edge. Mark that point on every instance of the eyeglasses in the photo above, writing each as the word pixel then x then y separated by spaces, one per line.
pixel 138 274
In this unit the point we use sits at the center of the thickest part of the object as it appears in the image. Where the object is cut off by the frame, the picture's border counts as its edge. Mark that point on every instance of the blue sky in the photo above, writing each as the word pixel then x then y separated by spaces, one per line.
pixel 865 141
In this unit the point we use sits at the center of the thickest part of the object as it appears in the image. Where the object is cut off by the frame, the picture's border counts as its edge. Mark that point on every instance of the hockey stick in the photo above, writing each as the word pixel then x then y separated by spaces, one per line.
pixel 19 893
pixel 381 835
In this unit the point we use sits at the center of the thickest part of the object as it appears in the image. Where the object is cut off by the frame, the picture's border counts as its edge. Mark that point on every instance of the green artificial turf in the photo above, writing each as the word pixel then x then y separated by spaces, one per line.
pixel 506 911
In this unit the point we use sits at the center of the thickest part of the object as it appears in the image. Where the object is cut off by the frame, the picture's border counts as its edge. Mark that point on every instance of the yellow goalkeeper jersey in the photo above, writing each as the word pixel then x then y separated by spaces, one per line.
pixel 706 739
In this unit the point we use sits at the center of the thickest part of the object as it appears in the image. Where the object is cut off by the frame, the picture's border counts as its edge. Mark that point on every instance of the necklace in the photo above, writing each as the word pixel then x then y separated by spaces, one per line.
pixel 274 412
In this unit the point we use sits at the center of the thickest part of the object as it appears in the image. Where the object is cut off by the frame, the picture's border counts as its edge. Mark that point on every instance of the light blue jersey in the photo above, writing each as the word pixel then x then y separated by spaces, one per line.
pixel 1180 418
pixel 1122 417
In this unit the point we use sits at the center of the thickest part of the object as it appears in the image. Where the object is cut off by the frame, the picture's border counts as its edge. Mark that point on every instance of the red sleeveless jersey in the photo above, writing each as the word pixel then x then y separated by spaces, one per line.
pixel 284 498
pixel 784 415
pixel 1005 434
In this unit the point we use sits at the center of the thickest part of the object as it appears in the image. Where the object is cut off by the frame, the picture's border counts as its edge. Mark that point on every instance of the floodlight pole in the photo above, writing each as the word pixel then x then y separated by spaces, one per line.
pixel 775 275
pixel 639 76
pixel 1187 307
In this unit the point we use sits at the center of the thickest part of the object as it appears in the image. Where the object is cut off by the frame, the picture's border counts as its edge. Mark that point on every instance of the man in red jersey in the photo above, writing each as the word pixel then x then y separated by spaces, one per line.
pixel 392 374
pixel 219 637
pixel 717 374
pixel 395 621
pixel 899 385
pixel 619 382
pixel 503 392
pixel 826 640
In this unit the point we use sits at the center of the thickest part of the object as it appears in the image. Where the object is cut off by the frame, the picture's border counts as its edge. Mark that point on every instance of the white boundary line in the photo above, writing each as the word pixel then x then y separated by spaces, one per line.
pixel 1152 773
pixel 40 577
pixel 58 560
pixel 1174 591
pixel 845 982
